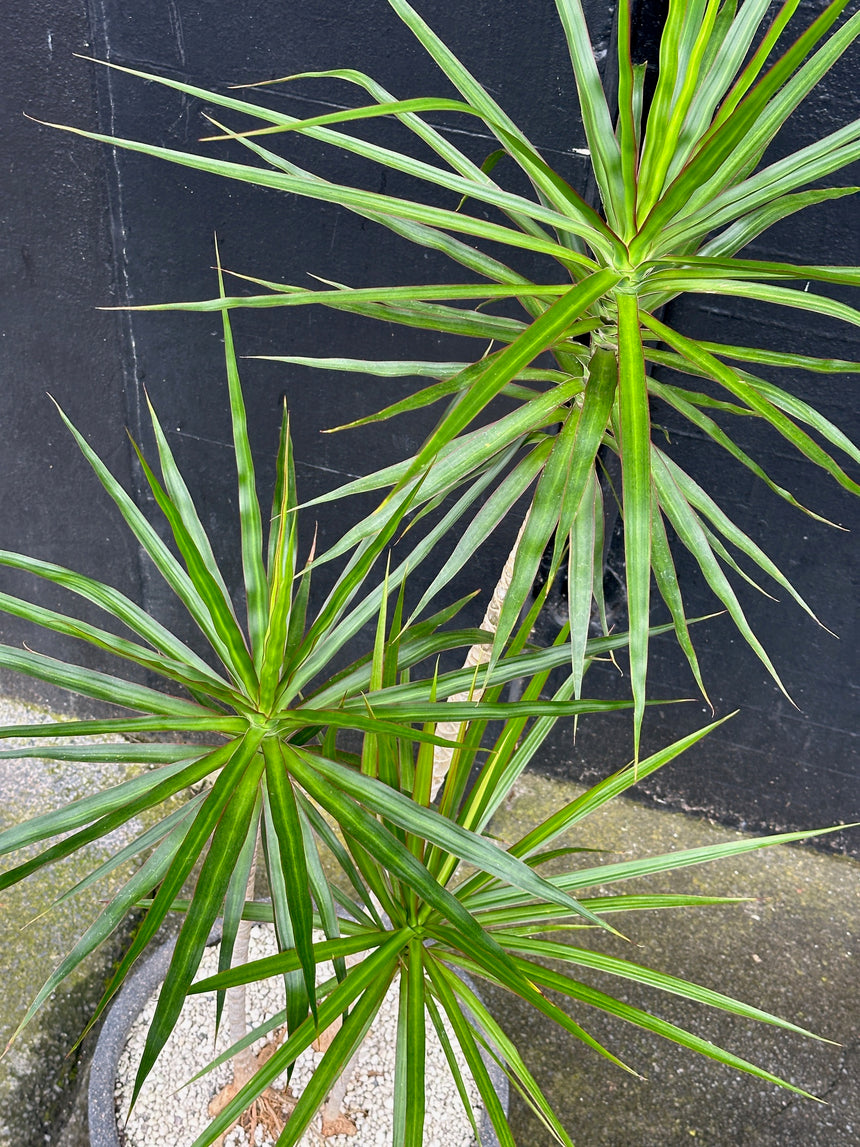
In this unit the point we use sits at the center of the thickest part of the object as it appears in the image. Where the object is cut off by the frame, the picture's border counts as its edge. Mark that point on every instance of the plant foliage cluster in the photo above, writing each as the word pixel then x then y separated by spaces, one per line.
pixel 683 190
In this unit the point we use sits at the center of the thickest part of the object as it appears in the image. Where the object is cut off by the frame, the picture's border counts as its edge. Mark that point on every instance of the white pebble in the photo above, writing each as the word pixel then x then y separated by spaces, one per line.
pixel 164 1118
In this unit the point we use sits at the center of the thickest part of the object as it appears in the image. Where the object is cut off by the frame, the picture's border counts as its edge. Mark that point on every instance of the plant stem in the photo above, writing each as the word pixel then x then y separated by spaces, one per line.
pixel 244 1062
pixel 478 655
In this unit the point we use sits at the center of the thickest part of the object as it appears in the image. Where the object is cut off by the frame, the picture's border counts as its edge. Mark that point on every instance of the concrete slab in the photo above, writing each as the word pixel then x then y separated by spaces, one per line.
pixel 792 952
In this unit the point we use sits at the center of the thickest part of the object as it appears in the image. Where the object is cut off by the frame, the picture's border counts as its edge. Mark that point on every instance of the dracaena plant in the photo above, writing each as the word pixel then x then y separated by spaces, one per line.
pixel 268 712
pixel 681 194
pixel 680 197
pixel 269 708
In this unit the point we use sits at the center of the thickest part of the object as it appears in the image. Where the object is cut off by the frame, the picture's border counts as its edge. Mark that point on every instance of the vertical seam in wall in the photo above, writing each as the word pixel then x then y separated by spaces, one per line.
pixel 103 80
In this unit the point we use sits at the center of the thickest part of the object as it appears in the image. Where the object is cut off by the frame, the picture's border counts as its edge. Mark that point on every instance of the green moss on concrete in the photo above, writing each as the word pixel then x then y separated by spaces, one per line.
pixel 38 1074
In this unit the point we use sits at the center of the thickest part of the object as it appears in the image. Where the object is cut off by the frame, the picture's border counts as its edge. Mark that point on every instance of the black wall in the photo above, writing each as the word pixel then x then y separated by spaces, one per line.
pixel 84 227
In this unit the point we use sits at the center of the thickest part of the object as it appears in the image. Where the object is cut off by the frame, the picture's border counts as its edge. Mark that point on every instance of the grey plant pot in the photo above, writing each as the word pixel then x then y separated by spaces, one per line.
pixel 128 1005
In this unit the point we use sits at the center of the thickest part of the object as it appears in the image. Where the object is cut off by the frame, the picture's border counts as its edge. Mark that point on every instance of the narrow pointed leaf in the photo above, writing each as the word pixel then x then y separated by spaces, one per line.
pixel 689 529
pixel 184 503
pixel 585 804
pixel 234 822
pixel 580 579
pixel 375 970
pixel 169 568
pixel 285 819
pixel 353 198
pixel 235 900
pixel 736 385
pixel 666 578
pixel 235 761
pixel 715 432
pixel 635 436
pixel 117 910
pixel 281 890
pixel 214 613
pixel 605 152
pixel 413 1063
pixel 562 484
pixel 667 862
pixel 636 973
pixel 642 1019
pixel 117 804
pixel 440 831
pixel 177 671
pixel 113 602
pixel 93 683
pixel 398 861
pixel 541 334
pixel 702 502
pixel 442 983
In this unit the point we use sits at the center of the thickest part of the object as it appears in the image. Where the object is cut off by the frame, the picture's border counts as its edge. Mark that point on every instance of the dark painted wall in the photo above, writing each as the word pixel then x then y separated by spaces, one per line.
pixel 84 228
pixel 776 764
pixel 57 267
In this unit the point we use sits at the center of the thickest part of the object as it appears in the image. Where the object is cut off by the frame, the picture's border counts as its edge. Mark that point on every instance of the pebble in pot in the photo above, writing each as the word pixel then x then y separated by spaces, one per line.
pixel 165 1117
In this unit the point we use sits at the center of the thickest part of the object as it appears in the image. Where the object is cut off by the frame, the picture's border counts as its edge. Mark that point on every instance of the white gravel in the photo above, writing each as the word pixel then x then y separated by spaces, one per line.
pixel 164 1118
